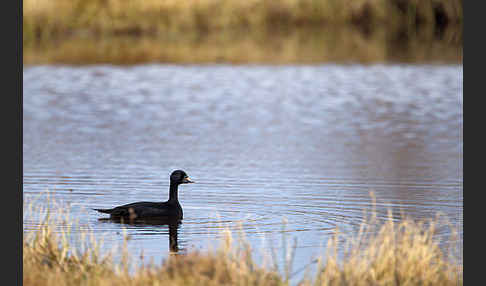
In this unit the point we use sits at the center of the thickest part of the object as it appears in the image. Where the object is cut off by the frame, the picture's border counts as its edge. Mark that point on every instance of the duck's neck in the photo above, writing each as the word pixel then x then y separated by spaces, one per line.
pixel 173 192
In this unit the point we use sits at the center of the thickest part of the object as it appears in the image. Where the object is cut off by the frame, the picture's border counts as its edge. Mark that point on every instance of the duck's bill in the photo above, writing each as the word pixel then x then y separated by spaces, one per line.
pixel 187 180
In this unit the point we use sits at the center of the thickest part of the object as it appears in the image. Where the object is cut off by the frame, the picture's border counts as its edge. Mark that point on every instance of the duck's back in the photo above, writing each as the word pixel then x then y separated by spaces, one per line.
pixel 141 210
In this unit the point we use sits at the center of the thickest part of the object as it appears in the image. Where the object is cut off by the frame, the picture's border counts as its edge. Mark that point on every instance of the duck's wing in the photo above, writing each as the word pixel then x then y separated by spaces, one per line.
pixel 139 209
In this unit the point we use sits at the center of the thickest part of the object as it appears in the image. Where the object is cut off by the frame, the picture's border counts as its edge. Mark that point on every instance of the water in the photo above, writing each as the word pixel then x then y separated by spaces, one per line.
pixel 265 144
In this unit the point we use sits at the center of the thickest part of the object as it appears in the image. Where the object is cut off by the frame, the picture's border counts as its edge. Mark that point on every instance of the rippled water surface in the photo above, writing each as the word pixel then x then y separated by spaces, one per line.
pixel 305 144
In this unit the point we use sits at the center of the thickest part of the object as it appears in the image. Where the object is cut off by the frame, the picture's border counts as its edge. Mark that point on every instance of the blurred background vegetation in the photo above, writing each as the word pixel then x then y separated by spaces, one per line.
pixel 250 31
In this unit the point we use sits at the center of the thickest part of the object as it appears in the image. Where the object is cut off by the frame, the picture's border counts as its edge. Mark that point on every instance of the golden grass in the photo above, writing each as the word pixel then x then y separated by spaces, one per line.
pixel 49 258
pixel 403 253
pixel 48 17
pixel 254 31
pixel 399 253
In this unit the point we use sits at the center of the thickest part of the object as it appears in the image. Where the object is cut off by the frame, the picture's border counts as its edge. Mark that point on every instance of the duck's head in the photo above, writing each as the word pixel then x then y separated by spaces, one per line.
pixel 180 177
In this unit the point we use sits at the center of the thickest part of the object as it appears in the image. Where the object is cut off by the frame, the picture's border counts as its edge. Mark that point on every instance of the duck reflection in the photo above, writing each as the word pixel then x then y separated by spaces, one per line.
pixel 172 224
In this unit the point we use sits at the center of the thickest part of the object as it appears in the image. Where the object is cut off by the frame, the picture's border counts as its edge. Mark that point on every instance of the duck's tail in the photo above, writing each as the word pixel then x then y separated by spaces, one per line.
pixel 106 211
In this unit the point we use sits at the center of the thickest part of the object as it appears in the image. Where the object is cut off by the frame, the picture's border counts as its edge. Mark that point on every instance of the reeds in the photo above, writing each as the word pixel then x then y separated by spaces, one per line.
pixel 395 253
pixel 398 253
pixel 43 18
pixel 50 258
pixel 174 31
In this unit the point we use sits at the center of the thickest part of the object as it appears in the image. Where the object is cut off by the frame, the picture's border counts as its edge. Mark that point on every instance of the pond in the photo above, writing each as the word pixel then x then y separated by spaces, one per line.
pixel 273 149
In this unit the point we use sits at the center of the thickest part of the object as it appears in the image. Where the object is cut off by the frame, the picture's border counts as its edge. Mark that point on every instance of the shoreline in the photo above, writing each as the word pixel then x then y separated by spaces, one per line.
pixel 391 253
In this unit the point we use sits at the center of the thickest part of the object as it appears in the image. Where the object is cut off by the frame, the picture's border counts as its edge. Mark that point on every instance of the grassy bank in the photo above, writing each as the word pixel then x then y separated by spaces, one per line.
pixel 402 253
pixel 256 31
pixel 48 18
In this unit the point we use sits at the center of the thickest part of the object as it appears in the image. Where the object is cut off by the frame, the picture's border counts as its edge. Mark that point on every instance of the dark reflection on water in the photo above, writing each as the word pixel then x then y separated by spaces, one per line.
pixel 171 225
pixel 265 143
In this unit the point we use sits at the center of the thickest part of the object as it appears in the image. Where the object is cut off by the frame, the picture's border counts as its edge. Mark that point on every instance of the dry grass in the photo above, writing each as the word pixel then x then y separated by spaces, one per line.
pixel 255 31
pixel 403 253
pixel 50 258
pixel 44 18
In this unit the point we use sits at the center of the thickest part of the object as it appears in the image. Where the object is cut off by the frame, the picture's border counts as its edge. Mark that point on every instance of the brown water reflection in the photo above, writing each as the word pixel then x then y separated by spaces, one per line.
pixel 302 143
pixel 281 46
